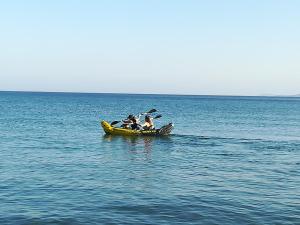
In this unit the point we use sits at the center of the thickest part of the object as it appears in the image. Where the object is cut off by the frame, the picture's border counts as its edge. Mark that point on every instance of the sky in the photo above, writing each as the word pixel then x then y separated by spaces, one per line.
pixel 230 47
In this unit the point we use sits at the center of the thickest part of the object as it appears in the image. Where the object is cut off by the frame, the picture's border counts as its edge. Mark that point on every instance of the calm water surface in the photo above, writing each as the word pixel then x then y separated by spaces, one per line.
pixel 231 160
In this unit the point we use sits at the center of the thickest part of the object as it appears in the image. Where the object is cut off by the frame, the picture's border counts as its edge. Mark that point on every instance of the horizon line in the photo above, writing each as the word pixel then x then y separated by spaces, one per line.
pixel 167 94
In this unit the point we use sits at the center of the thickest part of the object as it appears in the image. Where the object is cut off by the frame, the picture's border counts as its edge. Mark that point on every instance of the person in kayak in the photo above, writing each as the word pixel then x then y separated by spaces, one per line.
pixel 135 125
pixel 148 125
pixel 127 122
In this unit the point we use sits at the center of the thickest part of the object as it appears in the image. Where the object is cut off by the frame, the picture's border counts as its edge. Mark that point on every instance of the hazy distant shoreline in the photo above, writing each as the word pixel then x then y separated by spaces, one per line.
pixel 166 94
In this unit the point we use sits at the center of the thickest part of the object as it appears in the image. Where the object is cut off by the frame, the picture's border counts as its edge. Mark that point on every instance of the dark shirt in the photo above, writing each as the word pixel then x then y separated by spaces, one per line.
pixel 135 126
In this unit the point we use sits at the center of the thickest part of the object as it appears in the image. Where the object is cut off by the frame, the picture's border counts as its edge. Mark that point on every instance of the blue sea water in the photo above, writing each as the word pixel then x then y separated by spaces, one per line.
pixel 230 160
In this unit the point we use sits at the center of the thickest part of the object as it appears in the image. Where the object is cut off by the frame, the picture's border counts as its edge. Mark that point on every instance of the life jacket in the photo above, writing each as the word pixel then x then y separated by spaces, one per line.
pixel 148 126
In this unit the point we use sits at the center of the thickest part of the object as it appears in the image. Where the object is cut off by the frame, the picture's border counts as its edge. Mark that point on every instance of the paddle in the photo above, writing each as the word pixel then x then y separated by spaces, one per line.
pixel 114 123
pixel 158 116
pixel 150 111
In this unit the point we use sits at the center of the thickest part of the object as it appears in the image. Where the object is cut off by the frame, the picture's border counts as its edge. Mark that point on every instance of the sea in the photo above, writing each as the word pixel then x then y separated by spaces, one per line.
pixel 230 160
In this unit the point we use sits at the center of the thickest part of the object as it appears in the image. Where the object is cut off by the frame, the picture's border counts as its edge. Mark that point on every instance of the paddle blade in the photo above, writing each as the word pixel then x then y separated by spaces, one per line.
pixel 114 123
pixel 158 116
pixel 152 111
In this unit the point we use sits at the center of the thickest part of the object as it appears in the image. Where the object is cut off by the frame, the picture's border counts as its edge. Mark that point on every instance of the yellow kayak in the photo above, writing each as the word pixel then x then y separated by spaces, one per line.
pixel 108 129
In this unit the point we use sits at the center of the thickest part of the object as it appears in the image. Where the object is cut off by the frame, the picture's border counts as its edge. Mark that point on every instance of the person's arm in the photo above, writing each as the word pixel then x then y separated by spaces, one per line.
pixel 151 124
pixel 126 121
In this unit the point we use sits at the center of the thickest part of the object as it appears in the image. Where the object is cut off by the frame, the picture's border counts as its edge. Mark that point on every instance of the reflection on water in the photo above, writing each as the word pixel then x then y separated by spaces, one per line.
pixel 135 144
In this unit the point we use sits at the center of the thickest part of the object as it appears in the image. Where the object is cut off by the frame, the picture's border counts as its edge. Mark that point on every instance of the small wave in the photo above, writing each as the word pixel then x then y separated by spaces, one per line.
pixel 46 220
pixel 251 143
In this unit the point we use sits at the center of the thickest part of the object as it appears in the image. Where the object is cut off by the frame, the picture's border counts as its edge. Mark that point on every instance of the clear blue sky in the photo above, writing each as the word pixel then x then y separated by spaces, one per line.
pixel 154 46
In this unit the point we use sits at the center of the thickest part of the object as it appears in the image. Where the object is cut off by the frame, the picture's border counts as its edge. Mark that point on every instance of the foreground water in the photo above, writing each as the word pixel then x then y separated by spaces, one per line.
pixel 231 160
